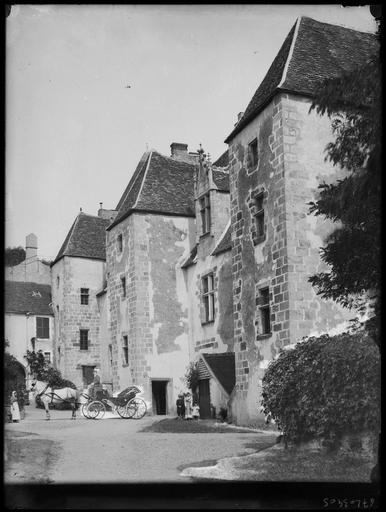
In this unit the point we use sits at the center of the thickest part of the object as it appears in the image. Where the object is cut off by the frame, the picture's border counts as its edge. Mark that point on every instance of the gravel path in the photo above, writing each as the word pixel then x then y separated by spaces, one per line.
pixel 113 450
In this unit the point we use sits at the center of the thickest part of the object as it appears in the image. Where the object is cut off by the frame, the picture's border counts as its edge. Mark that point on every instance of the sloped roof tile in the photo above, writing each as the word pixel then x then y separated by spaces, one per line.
pixel 22 297
pixel 314 52
pixel 225 242
pixel 223 160
pixel 160 185
pixel 223 367
pixel 86 238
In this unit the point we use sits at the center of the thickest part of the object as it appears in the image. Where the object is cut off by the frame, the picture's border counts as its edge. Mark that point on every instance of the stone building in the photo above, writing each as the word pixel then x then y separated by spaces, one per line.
pixel 78 275
pixel 208 278
pixel 209 263
pixel 276 162
pixel 32 269
pixel 145 246
pixel 29 321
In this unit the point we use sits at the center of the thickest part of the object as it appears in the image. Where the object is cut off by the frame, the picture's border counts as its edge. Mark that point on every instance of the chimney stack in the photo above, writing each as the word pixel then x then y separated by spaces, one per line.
pixel 178 150
pixel 31 247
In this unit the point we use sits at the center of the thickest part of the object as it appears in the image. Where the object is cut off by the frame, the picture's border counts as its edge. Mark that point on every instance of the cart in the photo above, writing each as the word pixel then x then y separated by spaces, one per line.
pixel 126 404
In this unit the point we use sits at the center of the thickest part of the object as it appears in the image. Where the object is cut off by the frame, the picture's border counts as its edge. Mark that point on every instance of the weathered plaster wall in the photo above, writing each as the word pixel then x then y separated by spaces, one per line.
pixel 74 274
pixel 32 270
pixel 217 336
pixel 257 262
pixel 105 340
pixel 154 313
pixel 291 165
pixel 305 138
pixel 19 329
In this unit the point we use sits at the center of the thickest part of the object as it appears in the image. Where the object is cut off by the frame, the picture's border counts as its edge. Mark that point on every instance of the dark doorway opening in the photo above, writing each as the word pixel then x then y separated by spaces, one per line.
pixel 159 394
pixel 204 398
pixel 88 375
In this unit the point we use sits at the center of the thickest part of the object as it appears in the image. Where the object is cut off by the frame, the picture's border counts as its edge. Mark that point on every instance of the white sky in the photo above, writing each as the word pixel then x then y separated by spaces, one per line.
pixel 74 132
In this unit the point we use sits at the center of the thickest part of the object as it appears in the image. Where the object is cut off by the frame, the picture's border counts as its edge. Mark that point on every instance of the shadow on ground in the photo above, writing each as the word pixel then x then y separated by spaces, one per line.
pixel 176 426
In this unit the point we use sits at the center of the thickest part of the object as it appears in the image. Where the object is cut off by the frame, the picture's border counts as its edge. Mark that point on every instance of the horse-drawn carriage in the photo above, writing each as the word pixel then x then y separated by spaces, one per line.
pixel 126 404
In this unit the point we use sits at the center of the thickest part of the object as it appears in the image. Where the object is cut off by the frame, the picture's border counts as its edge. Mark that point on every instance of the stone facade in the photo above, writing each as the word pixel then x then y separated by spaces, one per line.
pixel 69 275
pixel 153 315
pixel 290 167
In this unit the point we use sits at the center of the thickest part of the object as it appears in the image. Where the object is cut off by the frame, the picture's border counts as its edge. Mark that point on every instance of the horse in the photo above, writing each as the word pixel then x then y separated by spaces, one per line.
pixel 53 396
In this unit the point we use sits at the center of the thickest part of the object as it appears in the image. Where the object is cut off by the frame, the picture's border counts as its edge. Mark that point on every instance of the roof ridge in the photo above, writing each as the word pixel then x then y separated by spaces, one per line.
pixel 144 178
pixel 337 25
pixel 290 53
pixel 133 179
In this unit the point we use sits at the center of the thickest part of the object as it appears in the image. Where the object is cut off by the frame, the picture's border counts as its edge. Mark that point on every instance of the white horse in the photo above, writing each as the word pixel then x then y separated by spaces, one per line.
pixel 48 395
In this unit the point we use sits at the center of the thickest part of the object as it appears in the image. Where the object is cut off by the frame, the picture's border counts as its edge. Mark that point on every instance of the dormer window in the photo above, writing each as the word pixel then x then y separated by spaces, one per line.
pixel 254 152
pixel 120 243
pixel 205 213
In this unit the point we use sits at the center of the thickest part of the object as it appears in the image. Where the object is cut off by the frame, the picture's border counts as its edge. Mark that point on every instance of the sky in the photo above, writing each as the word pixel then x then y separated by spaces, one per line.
pixel 89 88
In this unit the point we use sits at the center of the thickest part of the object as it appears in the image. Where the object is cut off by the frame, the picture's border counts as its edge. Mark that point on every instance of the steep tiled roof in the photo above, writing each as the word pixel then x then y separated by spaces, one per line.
pixel 223 160
pixel 223 367
pixel 225 242
pixel 86 238
pixel 160 184
pixel 221 180
pixel 21 297
pixel 312 52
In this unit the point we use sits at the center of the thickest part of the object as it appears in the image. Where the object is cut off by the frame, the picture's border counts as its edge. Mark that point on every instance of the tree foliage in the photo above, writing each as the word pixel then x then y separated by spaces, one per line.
pixel 352 251
pixel 45 372
pixel 325 388
pixel 14 256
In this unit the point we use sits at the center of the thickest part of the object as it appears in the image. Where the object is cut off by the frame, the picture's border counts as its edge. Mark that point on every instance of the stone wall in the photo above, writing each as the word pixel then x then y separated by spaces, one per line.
pixel 154 313
pixel 291 164
pixel 74 274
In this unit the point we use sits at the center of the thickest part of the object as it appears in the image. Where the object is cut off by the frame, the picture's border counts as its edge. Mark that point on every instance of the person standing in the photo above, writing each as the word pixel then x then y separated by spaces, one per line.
pixel 15 411
pixel 96 385
pixel 188 406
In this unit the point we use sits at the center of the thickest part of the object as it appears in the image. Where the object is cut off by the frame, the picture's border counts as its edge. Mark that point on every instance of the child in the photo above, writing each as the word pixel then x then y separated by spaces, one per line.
pixel 15 411
pixel 196 411
pixel 180 406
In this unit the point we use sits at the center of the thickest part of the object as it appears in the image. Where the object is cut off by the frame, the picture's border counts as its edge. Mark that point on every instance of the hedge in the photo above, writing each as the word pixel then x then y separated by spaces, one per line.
pixel 325 388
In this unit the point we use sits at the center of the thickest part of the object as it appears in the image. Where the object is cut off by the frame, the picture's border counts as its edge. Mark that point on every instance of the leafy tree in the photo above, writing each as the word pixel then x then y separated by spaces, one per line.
pixel 14 256
pixel 45 372
pixel 352 251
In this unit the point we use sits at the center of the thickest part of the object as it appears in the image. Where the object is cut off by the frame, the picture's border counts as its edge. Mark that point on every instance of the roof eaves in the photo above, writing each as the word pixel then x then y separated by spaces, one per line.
pixel 213 374
pixel 221 239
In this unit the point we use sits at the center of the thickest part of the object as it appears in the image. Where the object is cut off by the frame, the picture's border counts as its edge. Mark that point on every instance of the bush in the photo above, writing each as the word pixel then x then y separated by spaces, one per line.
pixel 324 388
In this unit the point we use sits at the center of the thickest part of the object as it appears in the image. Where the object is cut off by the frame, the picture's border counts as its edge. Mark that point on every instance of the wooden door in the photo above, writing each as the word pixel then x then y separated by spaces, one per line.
pixel 204 398
pixel 88 375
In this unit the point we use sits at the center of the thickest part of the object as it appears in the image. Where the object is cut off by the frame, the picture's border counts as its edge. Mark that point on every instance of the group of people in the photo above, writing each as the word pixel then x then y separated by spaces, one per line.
pixel 186 409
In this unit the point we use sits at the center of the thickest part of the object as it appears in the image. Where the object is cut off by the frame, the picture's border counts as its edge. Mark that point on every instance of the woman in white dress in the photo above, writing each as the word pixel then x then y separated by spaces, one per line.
pixel 188 406
pixel 15 411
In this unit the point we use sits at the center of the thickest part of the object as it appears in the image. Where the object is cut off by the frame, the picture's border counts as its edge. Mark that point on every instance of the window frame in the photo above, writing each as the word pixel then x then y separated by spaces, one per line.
pixel 259 215
pixel 254 152
pixel 205 213
pixel 120 242
pixel 45 329
pixel 208 295
pixel 47 360
pixel 123 287
pixel 82 341
pixel 125 349
pixel 265 310
pixel 84 296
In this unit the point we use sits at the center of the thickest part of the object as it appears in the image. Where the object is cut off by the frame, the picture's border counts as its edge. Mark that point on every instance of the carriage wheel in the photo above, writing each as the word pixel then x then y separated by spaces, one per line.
pixel 85 411
pixel 96 410
pixel 124 412
pixel 136 408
